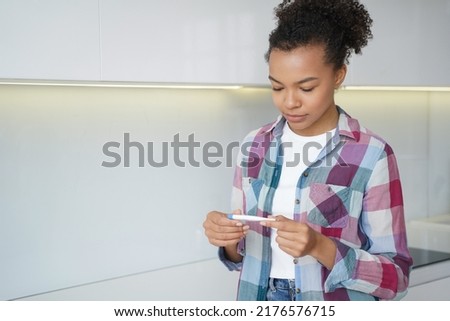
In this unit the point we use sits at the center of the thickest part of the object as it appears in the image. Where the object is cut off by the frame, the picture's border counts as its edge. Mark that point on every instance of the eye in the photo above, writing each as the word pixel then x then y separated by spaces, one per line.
pixel 277 88
pixel 307 90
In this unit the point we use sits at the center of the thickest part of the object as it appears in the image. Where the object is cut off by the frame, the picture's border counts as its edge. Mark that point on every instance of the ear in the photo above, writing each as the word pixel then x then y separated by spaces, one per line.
pixel 339 76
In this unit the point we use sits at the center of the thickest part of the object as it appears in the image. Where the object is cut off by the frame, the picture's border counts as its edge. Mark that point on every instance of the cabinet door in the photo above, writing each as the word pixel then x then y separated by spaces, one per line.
pixel 195 41
pixel 410 46
pixel 49 39
pixel 438 290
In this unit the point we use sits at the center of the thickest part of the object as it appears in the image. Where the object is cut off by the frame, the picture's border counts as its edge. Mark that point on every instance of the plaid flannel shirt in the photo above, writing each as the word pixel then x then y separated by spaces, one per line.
pixel 351 193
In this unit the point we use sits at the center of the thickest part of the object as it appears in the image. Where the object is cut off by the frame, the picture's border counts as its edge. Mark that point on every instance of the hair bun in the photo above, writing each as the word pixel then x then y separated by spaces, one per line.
pixel 344 26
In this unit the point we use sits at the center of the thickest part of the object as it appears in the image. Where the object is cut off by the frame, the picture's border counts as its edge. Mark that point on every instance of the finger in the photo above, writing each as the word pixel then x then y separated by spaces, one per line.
pixel 224 243
pixel 294 244
pixel 221 219
pixel 290 251
pixel 214 227
pixel 291 247
pixel 225 236
pixel 288 236
pixel 281 223
pixel 290 240
pixel 225 229
pixel 295 236
pixel 237 222
pixel 222 231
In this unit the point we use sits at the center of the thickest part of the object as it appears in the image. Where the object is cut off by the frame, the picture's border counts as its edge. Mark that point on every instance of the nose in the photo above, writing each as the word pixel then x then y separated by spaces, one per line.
pixel 291 99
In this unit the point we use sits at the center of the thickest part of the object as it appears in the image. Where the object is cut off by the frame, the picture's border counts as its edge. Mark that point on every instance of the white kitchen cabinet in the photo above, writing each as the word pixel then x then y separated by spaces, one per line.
pixel 204 41
pixel 196 41
pixel 410 46
pixel 438 290
pixel 430 283
pixel 49 39
pixel 213 41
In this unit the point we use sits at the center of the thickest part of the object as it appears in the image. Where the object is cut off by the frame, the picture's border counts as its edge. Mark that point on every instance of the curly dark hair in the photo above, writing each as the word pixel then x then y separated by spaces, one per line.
pixel 342 26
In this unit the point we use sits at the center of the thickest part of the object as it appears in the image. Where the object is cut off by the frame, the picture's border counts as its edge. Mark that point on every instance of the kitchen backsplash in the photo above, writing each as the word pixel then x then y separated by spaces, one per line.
pixel 416 125
pixel 60 199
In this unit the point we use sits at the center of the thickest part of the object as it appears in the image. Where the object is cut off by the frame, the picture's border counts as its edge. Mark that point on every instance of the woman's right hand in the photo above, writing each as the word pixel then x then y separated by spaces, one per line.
pixel 221 231
pixel 226 233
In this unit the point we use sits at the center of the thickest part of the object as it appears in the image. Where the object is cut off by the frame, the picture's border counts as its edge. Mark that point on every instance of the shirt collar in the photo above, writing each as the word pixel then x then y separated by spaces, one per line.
pixel 347 126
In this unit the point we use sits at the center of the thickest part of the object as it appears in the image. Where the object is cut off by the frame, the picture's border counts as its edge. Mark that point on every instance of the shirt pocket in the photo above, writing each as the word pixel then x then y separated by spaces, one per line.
pixel 328 205
pixel 251 188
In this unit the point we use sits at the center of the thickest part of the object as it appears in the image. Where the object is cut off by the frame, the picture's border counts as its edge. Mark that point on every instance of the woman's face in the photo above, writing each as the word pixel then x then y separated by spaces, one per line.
pixel 303 88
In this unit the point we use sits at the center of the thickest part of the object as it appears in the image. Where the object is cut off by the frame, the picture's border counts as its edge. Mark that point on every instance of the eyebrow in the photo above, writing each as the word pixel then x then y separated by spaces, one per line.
pixel 308 79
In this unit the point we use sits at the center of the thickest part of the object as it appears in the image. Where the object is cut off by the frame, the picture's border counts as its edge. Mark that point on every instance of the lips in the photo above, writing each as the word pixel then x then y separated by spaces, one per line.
pixel 295 118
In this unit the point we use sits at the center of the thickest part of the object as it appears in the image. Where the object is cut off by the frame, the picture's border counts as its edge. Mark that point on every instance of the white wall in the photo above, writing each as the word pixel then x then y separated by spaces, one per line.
pixel 135 233
pixel 416 124
pixel 69 220
pixel 439 151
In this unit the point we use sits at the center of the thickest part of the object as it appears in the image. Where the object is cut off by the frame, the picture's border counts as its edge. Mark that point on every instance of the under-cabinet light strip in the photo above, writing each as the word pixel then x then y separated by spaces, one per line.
pixel 107 84
pixel 112 84
pixel 396 88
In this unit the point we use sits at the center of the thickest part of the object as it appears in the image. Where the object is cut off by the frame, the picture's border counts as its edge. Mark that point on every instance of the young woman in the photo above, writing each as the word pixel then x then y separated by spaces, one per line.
pixel 332 186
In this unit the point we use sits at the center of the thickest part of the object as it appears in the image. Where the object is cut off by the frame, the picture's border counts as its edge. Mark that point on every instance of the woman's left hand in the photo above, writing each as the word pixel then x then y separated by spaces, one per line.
pixel 299 239
pixel 294 238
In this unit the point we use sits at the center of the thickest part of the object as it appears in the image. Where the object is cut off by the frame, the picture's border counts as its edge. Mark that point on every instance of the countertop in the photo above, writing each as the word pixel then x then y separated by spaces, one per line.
pixel 424 257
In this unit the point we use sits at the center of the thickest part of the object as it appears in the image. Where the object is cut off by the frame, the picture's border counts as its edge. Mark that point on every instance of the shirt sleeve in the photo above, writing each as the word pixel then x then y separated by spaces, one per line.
pixel 382 269
pixel 231 266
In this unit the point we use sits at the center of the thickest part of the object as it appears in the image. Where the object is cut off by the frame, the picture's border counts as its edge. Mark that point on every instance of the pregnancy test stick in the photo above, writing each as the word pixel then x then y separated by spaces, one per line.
pixel 249 218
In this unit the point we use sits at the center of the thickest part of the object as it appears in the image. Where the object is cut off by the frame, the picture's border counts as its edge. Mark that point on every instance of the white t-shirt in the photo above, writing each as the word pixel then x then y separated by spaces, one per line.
pixel 299 153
